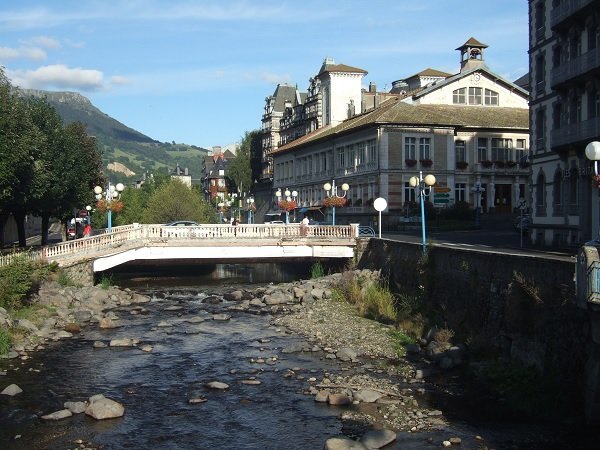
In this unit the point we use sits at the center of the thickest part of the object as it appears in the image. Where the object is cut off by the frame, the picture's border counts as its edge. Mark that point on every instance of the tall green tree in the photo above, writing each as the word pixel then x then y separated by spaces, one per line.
pixel 173 201
pixel 240 170
pixel 20 141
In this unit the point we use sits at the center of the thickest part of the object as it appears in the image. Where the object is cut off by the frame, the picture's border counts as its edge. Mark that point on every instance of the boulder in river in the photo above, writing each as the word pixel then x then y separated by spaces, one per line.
pixel 101 407
pixel 11 390
pixel 343 443
pixel 58 415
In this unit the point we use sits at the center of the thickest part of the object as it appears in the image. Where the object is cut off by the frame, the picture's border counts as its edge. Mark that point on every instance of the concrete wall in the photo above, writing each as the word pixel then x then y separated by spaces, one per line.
pixel 520 306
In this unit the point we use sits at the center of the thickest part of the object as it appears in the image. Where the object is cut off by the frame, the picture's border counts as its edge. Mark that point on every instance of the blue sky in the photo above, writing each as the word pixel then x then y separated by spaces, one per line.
pixel 198 72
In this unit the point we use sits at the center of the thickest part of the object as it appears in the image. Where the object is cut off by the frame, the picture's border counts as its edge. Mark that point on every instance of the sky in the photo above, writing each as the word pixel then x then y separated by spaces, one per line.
pixel 198 71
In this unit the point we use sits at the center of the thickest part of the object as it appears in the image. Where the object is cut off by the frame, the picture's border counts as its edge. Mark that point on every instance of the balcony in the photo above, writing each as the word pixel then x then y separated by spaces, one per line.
pixel 566 9
pixel 576 67
pixel 576 132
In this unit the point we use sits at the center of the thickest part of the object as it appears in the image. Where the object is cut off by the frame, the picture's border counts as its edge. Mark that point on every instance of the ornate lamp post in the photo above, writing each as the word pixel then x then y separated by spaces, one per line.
pixel 423 189
pixel 251 208
pixel 110 195
pixel 288 202
pixel 334 198
pixel 221 205
pixel 380 204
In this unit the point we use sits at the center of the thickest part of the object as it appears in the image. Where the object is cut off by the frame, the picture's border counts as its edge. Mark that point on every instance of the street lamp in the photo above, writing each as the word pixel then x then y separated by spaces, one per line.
pixel 423 188
pixel 332 193
pixel 112 193
pixel 380 204
pixel 289 197
pixel 477 190
pixel 221 205
pixel 250 202
pixel 592 152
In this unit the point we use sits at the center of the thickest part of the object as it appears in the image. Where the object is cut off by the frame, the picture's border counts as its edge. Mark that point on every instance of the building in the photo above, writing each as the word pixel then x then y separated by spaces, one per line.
pixel 469 129
pixel 564 63
pixel 216 184
pixel 182 174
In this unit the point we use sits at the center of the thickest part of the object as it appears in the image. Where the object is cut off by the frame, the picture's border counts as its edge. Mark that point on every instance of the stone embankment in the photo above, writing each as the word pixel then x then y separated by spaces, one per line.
pixel 382 390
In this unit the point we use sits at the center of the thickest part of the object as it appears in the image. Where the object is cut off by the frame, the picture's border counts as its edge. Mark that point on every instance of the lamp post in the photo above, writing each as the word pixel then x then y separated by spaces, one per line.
pixel 111 194
pixel 477 190
pixel 221 205
pixel 592 152
pixel 423 188
pixel 332 192
pixel 380 204
pixel 250 202
pixel 288 197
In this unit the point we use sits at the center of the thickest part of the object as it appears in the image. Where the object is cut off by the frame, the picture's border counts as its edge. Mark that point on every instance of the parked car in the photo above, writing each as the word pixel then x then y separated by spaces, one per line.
pixel 71 233
pixel 182 223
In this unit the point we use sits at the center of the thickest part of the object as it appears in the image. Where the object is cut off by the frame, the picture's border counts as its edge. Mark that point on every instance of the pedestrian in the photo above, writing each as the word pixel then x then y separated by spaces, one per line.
pixel 234 223
pixel 304 226
pixel 87 230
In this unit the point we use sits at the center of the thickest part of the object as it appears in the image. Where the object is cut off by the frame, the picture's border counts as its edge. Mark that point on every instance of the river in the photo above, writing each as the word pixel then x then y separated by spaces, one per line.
pixel 189 350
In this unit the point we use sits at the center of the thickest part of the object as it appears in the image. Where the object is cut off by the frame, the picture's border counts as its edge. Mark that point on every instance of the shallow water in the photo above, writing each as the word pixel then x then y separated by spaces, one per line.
pixel 155 387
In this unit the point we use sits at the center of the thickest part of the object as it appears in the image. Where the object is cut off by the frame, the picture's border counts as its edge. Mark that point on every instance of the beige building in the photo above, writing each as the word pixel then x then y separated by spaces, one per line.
pixel 469 130
pixel 564 61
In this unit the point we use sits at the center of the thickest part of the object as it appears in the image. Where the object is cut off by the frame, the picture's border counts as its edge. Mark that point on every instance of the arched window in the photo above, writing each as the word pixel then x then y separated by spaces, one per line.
pixel 491 97
pixel 459 96
pixel 540 195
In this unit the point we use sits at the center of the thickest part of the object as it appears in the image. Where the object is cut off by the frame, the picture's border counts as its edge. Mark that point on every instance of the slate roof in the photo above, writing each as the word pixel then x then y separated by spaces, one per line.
pixel 472 42
pixel 340 68
pixel 399 113
pixel 429 72
pixel 282 93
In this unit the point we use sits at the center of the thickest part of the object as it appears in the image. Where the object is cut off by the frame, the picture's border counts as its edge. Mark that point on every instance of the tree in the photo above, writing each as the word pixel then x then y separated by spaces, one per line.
pixel 173 201
pixel 239 170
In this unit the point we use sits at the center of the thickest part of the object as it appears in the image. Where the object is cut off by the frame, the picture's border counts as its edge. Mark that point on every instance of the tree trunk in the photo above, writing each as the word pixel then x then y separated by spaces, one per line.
pixel 4 215
pixel 45 226
pixel 20 221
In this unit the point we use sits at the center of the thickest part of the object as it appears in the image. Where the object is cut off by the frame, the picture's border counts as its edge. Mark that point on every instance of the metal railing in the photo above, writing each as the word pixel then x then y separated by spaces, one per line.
pixel 200 235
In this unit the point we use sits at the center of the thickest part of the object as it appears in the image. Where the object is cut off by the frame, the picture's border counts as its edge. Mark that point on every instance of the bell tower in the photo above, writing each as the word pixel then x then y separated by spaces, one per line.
pixel 471 54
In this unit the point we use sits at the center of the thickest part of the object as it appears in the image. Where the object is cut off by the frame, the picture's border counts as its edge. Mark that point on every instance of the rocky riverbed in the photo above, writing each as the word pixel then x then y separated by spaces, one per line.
pixel 380 397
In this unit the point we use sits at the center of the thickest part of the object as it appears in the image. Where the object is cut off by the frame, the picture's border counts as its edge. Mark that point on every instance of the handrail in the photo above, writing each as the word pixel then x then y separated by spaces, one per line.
pixel 155 233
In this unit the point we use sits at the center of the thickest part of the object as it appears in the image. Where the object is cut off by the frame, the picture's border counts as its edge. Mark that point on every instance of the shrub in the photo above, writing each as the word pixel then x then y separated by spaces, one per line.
pixel 106 281
pixel 317 270
pixel 64 279
pixel 15 282
pixel 444 335
pixel 378 303
pixel 5 341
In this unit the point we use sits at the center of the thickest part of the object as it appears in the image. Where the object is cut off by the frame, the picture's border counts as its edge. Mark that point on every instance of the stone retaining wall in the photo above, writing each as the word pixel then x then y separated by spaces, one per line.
pixel 521 306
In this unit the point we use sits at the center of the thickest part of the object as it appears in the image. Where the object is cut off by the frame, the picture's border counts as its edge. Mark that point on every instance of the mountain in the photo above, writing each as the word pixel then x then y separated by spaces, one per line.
pixel 124 150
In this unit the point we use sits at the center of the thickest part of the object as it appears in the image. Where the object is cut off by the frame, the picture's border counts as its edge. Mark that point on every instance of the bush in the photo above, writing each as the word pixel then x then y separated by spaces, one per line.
pixel 5 341
pixel 317 270
pixel 378 303
pixel 15 282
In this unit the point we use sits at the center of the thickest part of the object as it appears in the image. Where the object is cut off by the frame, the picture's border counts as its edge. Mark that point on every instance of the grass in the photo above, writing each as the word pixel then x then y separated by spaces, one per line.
pixel 5 341
pixel 106 281
pixel 317 270
pixel 401 340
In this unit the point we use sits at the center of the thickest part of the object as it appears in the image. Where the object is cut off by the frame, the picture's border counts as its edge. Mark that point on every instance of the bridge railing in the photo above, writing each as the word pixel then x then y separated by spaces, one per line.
pixel 129 234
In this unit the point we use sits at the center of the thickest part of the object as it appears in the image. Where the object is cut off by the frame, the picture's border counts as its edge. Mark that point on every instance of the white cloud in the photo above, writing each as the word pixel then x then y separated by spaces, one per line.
pixel 42 41
pixel 58 76
pixel 8 53
pixel 120 80
pixel 31 53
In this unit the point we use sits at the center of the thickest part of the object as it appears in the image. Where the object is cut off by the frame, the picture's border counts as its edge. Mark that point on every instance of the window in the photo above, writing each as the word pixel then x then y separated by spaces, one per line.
pixel 351 155
pixel 540 69
pixel 557 193
pixel 409 193
pixel 575 109
pixel 460 192
pixel 372 150
pixel 540 129
pixel 424 148
pixel 521 151
pixel 556 115
pixel 593 103
pixel 501 149
pixel 574 46
pixel 361 154
pixel 459 96
pixel 540 20
pixel 491 97
pixel 482 153
pixel 556 56
pixel 460 149
pixel 540 195
pixel 474 96
pixel 341 158
pixel 410 148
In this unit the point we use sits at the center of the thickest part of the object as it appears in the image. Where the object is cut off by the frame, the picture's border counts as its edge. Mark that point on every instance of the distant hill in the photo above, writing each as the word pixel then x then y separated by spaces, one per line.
pixel 125 149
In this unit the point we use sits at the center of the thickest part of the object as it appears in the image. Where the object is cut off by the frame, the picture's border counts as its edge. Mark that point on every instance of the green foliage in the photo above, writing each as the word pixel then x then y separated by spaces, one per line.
pixel 317 270
pixel 64 279
pixel 15 282
pixel 5 341
pixel 401 340
pixel 106 281
pixel 175 201
pixel 378 303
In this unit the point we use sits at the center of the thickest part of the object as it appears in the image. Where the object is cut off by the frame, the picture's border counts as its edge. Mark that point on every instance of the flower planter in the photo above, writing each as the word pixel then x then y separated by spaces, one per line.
pixel 462 165
pixel 410 162
pixel 487 164
pixel 426 162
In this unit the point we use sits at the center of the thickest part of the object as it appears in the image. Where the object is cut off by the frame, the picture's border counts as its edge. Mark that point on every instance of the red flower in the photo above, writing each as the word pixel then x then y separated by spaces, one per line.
pixel 330 202
pixel 115 206
pixel 596 181
pixel 287 205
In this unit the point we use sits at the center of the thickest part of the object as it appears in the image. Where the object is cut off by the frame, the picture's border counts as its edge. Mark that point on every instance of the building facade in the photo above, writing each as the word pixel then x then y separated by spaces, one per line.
pixel 469 129
pixel 564 62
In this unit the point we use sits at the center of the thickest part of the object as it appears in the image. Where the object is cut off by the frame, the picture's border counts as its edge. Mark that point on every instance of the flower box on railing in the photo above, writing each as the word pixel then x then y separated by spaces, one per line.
pixel 410 162
pixel 462 165
pixel 511 164
pixel 486 163
pixel 287 205
pixel 500 164
pixel 426 162
pixel 524 165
